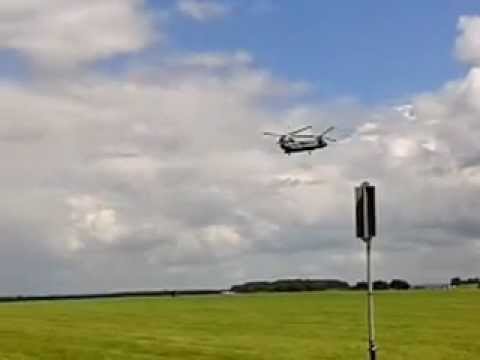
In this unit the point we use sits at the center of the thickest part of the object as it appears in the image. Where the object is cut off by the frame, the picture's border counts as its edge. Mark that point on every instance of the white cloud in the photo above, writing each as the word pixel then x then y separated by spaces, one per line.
pixel 135 167
pixel 190 183
pixel 402 147
pixel 92 218
pixel 168 174
pixel 407 111
pixel 429 144
pixel 222 235
pixel 368 127
pixel 63 33
pixel 472 175
pixel 216 60
pixel 468 43
pixel 202 10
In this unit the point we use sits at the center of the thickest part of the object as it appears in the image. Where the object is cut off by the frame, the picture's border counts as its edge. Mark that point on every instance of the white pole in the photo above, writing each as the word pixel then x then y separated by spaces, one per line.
pixel 371 308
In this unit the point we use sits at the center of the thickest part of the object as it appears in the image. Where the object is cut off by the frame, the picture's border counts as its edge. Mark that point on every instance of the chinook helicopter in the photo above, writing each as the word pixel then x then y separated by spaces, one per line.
pixel 294 141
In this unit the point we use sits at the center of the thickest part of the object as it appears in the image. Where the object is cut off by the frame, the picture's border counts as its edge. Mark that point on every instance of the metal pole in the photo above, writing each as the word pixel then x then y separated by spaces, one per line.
pixel 372 348
pixel 366 230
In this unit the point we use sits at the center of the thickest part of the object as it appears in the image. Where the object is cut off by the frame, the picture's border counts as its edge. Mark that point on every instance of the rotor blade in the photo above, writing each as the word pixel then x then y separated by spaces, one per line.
pixel 271 134
pixel 304 136
pixel 300 130
pixel 327 130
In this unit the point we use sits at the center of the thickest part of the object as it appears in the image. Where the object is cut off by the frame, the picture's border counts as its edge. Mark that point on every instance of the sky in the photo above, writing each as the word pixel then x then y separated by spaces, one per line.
pixel 133 155
pixel 366 51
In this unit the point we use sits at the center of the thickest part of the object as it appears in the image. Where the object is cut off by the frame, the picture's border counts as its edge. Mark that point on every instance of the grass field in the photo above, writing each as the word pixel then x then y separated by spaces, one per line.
pixel 329 325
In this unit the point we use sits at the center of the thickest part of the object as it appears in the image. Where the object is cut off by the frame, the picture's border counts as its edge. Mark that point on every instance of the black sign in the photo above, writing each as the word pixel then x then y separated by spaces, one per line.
pixel 365 211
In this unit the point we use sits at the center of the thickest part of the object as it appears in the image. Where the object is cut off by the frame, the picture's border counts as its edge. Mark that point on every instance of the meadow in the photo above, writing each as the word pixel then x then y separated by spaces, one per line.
pixel 427 325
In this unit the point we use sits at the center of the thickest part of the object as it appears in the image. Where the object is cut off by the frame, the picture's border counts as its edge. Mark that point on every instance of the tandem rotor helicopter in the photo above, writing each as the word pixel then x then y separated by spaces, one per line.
pixel 290 142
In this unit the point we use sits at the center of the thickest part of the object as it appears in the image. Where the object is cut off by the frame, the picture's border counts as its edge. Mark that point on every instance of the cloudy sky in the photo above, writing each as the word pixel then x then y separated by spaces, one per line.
pixel 133 158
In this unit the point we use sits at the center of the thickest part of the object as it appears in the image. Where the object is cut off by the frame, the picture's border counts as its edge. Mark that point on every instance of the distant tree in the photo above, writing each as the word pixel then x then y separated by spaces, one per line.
pixel 250 287
pixel 361 285
pixel 381 285
pixel 399 284
pixel 284 285
pixel 288 285
pixel 456 281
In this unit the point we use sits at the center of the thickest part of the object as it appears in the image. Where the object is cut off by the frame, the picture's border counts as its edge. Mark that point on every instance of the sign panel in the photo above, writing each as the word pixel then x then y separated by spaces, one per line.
pixel 365 211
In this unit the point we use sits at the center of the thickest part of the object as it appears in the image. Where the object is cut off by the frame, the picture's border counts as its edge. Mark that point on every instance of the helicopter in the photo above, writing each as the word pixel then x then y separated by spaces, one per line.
pixel 290 142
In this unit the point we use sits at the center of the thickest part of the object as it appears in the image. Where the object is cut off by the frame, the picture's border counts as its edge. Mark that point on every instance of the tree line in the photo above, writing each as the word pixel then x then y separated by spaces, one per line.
pixel 457 281
pixel 296 285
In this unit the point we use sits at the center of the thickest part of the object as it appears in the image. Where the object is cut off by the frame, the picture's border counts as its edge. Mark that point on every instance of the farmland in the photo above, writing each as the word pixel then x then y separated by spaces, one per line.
pixel 325 325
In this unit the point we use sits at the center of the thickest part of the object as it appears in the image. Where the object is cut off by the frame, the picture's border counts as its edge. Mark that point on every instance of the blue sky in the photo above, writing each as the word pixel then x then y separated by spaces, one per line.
pixel 375 51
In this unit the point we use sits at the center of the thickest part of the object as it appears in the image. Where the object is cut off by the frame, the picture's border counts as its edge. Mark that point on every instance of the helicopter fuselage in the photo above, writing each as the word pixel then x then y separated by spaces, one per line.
pixel 293 141
pixel 291 146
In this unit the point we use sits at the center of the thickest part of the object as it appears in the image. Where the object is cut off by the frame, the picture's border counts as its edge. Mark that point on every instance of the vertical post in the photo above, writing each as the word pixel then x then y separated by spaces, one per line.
pixel 372 348
pixel 366 230
pixel 368 242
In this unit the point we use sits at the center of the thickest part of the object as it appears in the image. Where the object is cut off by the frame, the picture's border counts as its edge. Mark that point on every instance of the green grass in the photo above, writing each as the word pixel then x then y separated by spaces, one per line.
pixel 330 325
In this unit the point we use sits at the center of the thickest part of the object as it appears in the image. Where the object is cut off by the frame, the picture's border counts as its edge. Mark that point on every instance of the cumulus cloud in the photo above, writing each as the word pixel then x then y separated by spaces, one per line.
pixel 161 178
pixel 202 10
pixel 97 220
pixel 468 43
pixel 407 111
pixel 62 33
pixel 216 60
